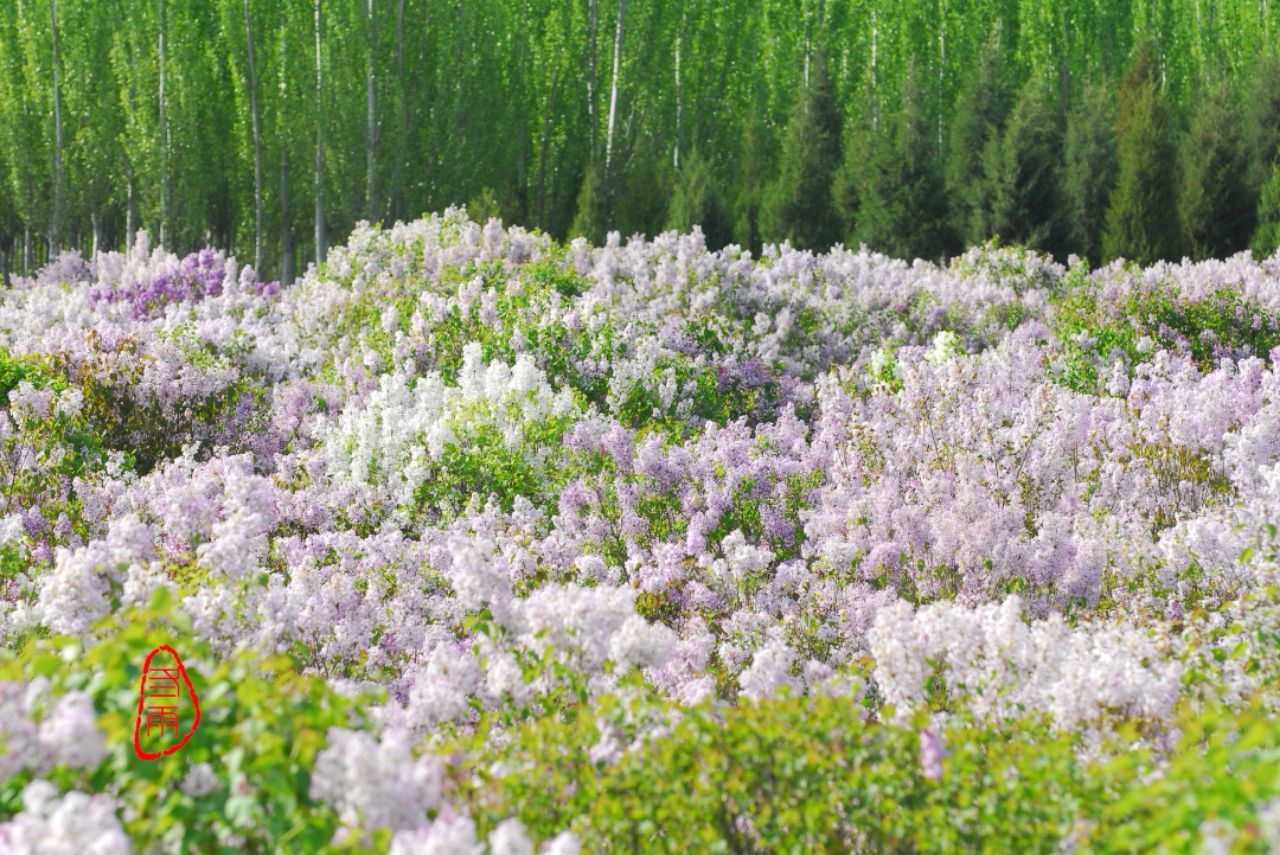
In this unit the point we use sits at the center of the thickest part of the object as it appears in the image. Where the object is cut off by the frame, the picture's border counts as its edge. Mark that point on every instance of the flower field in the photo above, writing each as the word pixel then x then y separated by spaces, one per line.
pixel 471 541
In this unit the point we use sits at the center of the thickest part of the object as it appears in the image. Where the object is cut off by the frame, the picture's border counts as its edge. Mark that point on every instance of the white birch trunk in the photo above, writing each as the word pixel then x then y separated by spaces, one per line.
pixel 165 181
pixel 613 85
pixel 320 236
pixel 55 231
pixel 257 144
pixel 371 117
pixel 592 37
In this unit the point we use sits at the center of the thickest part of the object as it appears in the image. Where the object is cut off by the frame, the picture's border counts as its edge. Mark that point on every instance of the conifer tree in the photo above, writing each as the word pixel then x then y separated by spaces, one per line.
pixel 1021 170
pixel 747 197
pixel 594 207
pixel 799 205
pixel 645 187
pixel 1266 240
pixel 1217 206
pixel 1088 170
pixel 1142 217
pixel 981 110
pixel 859 142
pixel 1264 118
pixel 697 202
pixel 902 209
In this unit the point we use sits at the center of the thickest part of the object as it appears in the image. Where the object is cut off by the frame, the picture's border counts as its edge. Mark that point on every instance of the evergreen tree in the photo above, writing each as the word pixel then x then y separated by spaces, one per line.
pixel 1265 118
pixel 644 194
pixel 799 205
pixel 1142 218
pixel 981 110
pixel 1266 240
pixel 902 208
pixel 1216 203
pixel 1021 170
pixel 747 200
pixel 858 146
pixel 594 208
pixel 1088 172
pixel 697 202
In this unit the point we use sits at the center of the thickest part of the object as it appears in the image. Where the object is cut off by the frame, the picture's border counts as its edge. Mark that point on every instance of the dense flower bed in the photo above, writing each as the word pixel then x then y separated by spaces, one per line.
pixel 475 542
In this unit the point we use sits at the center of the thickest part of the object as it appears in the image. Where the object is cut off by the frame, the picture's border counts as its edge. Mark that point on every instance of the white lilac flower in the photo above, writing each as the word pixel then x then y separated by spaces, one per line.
pixel 375 783
pixel 200 780
pixel 510 838
pixel 451 833
pixel 69 734
pixel 73 823
pixel 564 843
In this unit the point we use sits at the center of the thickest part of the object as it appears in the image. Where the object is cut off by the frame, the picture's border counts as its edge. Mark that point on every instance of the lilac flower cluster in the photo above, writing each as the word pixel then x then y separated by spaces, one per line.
pixel 486 474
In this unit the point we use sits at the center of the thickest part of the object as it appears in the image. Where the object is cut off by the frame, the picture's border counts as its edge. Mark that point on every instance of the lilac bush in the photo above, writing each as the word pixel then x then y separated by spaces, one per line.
pixel 489 482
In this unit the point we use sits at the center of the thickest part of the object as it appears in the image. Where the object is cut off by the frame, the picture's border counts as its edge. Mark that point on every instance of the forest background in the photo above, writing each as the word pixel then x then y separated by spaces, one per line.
pixel 1143 129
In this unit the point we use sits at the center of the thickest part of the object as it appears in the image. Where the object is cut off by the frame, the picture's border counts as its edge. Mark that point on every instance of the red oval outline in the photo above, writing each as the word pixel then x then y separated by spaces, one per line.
pixel 142 695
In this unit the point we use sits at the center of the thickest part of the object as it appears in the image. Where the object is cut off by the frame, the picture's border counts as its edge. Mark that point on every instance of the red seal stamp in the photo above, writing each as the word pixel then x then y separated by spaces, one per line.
pixel 166 700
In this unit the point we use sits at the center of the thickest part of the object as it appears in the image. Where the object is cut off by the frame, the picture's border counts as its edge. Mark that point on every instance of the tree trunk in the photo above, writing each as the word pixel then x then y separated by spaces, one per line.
pixel 592 37
pixel 808 46
pixel 942 72
pixel 96 219
pixel 319 177
pixel 542 151
pixel 613 85
pixel 286 214
pixel 26 250
pixel 55 229
pixel 675 153
pixel 257 145
pixel 131 212
pixel 286 225
pixel 875 44
pixel 371 116
pixel 166 187
pixel 396 202
pixel 523 101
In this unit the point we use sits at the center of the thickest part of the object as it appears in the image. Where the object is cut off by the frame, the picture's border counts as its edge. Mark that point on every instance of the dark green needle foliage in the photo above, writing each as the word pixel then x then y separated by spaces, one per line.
pixel 980 113
pixel 903 209
pixel 1088 170
pixel 799 206
pixel 1142 218
pixel 859 143
pixel 697 202
pixel 594 207
pixel 1021 171
pixel 1266 163
pixel 1218 206
pixel 1264 117
pixel 1266 240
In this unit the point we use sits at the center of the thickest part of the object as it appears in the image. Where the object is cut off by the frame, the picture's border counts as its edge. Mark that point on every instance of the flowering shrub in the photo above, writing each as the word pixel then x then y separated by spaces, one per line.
pixel 474 542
